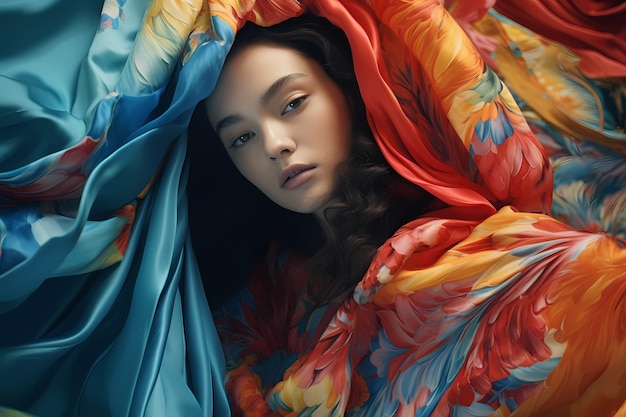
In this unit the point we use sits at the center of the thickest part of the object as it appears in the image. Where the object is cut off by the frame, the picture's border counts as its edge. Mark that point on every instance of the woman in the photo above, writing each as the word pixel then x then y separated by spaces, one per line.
pixel 410 306
pixel 338 173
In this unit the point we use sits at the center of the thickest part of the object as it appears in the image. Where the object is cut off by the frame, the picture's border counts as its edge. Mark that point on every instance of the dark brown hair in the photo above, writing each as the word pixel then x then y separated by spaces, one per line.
pixel 371 200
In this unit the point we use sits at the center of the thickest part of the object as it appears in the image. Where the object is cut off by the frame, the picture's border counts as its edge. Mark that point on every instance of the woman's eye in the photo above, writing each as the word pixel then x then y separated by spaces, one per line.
pixel 241 139
pixel 294 104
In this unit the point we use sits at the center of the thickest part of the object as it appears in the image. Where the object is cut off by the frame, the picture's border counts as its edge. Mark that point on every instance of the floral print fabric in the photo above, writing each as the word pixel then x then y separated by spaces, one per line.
pixel 500 323
pixel 475 310
pixel 479 309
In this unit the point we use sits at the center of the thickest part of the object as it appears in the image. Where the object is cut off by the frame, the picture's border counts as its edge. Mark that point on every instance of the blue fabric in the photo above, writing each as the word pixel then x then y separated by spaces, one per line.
pixel 102 308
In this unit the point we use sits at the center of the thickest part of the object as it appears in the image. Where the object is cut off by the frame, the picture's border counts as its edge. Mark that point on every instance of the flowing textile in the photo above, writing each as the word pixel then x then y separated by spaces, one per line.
pixel 574 102
pixel 102 310
pixel 476 308
pixel 522 315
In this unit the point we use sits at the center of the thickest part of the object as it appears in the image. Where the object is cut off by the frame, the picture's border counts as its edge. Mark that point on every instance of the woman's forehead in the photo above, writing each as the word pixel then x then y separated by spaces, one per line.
pixel 251 71
pixel 262 61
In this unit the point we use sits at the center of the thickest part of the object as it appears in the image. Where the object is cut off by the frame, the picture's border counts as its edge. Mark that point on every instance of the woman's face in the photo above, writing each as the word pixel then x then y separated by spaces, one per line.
pixel 285 124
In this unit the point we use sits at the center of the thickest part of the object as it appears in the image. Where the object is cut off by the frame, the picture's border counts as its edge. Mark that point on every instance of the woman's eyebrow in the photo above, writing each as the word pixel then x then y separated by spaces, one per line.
pixel 226 122
pixel 278 84
pixel 265 98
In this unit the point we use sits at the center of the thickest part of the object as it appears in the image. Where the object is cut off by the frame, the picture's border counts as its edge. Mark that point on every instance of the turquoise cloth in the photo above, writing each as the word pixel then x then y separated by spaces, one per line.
pixel 96 320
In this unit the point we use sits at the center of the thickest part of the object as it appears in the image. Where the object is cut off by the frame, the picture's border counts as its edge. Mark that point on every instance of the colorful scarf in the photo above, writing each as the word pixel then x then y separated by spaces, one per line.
pixel 481 308
pixel 478 309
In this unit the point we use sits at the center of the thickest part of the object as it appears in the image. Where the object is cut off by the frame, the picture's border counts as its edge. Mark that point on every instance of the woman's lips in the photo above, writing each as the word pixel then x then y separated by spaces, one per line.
pixel 294 175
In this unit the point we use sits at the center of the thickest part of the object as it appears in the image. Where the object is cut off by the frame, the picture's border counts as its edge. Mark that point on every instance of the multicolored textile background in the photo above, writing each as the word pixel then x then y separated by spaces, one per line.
pixel 102 307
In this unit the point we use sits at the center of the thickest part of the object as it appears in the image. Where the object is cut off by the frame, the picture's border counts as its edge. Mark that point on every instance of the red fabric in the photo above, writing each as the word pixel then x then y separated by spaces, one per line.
pixel 418 108
pixel 408 144
pixel 594 29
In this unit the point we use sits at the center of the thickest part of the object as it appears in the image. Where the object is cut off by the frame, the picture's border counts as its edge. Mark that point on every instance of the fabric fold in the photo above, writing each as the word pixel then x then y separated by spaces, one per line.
pixel 103 311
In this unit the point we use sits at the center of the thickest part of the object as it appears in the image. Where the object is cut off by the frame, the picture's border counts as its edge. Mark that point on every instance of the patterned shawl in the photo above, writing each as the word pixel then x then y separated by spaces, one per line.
pixel 478 309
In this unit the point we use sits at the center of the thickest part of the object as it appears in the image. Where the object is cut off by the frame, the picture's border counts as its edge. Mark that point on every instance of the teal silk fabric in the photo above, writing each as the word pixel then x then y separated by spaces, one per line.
pixel 96 320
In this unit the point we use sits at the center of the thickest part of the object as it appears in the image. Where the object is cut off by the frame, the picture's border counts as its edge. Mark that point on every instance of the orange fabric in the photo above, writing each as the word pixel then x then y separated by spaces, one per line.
pixel 432 150
pixel 594 30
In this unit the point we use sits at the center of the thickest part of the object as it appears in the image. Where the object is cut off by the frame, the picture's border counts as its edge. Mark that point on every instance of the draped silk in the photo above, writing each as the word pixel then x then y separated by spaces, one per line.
pixel 482 308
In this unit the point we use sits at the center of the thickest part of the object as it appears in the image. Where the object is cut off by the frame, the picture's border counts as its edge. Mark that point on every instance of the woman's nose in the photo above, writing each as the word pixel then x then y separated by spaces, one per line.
pixel 278 143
